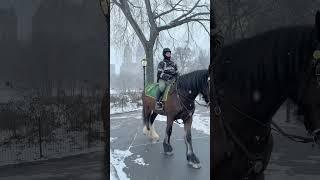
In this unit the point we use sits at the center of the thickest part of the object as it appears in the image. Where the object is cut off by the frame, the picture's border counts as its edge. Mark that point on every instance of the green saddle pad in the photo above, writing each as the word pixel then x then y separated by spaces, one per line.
pixel 151 90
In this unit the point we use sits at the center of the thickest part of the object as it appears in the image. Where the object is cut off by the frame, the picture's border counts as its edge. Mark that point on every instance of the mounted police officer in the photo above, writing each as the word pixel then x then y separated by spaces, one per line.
pixel 167 71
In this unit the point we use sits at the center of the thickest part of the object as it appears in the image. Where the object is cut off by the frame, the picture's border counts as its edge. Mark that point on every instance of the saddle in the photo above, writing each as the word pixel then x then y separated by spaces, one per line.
pixel 151 90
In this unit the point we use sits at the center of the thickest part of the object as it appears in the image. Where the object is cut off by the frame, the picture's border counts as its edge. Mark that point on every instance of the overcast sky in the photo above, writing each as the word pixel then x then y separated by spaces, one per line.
pixel 25 9
pixel 201 38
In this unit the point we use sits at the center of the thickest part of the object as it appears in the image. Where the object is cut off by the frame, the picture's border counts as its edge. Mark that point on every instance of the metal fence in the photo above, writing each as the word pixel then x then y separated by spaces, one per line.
pixel 34 128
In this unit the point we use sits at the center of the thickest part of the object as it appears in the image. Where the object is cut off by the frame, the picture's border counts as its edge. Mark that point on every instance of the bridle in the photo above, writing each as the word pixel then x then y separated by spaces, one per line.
pixel 189 100
pixel 255 161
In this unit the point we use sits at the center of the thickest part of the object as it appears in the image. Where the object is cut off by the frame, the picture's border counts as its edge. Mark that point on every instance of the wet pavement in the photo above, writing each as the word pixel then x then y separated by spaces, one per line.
pixel 126 130
pixel 292 160
pixel 80 167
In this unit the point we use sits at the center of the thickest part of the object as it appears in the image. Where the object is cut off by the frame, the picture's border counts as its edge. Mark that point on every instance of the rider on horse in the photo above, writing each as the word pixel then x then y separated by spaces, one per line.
pixel 167 71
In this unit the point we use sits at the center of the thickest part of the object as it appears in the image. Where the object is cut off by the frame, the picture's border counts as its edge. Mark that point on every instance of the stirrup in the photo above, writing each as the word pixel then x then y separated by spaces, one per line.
pixel 159 106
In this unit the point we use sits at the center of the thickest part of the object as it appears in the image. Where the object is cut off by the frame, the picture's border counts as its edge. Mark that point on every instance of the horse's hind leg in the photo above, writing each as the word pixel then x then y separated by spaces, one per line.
pixel 166 142
pixel 154 135
pixel 191 157
pixel 151 132
pixel 146 117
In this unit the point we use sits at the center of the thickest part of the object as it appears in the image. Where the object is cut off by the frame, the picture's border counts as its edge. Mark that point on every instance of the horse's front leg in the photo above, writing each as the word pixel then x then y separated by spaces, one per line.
pixel 191 157
pixel 166 142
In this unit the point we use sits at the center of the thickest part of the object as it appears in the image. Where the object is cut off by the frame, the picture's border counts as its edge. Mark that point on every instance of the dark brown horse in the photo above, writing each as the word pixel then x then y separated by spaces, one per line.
pixel 252 78
pixel 179 105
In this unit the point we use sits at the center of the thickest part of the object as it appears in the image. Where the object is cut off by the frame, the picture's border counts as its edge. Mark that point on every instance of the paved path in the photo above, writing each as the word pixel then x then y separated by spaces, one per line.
pixel 127 129
pixel 81 167
pixel 291 160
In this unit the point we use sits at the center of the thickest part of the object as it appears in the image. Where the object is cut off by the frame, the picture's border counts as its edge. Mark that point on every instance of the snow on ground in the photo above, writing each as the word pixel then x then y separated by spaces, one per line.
pixel 112 139
pixel 113 175
pixel 200 122
pixel 114 91
pixel 64 143
pixel 140 161
pixel 117 158
pixel 128 108
pixel 117 165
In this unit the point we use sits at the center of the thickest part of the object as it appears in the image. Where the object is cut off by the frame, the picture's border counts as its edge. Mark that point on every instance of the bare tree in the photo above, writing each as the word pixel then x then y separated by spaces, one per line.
pixel 149 19
pixel 203 59
pixel 183 57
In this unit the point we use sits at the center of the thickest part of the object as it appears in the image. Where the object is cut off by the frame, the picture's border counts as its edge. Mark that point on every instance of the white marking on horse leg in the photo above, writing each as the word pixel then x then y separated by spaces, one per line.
pixel 154 134
pixel 145 131
pixel 189 146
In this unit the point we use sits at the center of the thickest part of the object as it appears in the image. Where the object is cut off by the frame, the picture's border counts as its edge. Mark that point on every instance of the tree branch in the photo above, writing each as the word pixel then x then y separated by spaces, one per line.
pixel 138 7
pixel 178 23
pixel 170 10
pixel 186 14
pixel 205 28
pixel 150 14
pixel 124 6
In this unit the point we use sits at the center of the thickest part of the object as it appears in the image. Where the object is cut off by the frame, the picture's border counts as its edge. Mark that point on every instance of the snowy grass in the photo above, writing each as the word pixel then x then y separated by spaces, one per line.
pixel 62 143
pixel 200 122
pixel 127 108
pixel 128 101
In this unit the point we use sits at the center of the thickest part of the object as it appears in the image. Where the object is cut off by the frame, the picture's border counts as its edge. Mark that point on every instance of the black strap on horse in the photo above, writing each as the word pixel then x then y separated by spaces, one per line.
pixel 255 159
pixel 292 137
pixel 190 111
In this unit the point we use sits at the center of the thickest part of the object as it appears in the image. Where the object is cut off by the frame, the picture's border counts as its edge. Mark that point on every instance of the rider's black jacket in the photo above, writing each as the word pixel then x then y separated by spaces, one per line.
pixel 167 69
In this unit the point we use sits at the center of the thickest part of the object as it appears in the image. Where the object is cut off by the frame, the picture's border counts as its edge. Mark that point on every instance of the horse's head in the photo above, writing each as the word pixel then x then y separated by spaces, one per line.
pixel 310 97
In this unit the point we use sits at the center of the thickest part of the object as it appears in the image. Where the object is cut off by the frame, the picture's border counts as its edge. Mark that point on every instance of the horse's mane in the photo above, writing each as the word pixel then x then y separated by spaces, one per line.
pixel 269 57
pixel 193 81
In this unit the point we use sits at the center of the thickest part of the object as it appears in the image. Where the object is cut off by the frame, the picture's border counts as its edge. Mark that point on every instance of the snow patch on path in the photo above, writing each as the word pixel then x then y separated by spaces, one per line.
pixel 112 139
pixel 140 161
pixel 117 158
pixel 200 122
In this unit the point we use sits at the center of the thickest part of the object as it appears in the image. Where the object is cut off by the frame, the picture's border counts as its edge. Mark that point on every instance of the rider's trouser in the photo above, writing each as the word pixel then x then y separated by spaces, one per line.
pixel 162 87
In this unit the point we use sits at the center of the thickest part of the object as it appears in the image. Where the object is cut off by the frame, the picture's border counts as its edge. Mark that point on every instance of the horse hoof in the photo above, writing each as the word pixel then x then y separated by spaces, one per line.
pixel 146 131
pixel 194 165
pixel 156 138
pixel 168 153
pixel 154 141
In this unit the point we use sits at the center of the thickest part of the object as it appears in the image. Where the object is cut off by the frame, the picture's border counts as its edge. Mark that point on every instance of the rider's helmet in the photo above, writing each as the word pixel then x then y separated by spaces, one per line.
pixel 165 50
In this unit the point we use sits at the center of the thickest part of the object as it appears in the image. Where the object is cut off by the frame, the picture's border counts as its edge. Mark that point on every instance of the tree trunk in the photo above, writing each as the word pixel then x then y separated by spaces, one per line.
pixel 149 68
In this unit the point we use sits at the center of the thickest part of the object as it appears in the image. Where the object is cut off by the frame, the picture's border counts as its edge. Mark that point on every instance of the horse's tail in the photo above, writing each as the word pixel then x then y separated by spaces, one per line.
pixel 144 118
pixel 143 109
